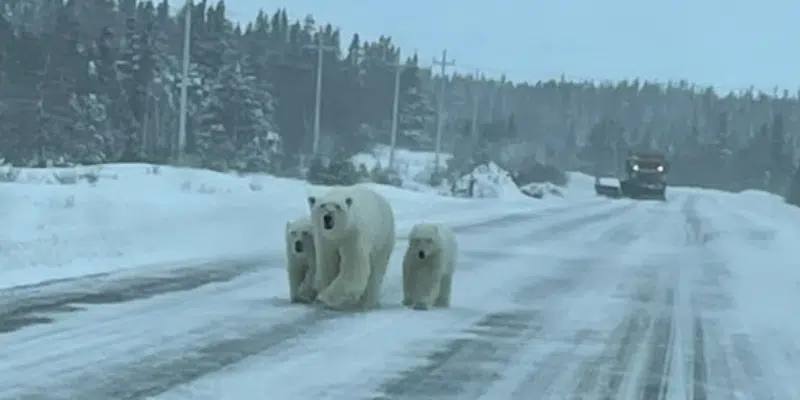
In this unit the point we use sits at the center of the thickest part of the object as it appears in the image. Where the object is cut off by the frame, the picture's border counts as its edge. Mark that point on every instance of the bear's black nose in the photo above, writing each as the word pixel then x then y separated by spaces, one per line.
pixel 327 221
pixel 421 254
pixel 298 246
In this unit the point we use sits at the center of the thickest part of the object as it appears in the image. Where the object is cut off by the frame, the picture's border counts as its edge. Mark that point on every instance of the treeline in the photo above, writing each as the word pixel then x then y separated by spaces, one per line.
pixel 98 81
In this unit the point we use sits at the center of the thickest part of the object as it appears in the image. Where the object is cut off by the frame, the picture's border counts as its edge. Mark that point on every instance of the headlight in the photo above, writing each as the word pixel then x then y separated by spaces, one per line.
pixel 635 167
pixel 660 168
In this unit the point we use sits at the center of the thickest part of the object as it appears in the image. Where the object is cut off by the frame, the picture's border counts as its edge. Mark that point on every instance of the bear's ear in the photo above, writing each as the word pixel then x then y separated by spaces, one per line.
pixel 288 224
pixel 311 201
pixel 348 201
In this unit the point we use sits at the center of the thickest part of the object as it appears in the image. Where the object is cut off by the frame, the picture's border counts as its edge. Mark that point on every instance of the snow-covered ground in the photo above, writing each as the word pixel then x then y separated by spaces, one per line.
pixel 137 215
pixel 577 297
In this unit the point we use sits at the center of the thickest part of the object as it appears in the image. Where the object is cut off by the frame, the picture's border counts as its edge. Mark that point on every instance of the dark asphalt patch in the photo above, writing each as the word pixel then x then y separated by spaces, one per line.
pixel 464 365
pixel 656 384
pixel 20 310
pixel 700 368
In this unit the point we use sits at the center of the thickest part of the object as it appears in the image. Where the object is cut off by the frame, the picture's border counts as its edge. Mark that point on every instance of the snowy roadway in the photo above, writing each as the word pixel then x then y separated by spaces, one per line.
pixel 615 300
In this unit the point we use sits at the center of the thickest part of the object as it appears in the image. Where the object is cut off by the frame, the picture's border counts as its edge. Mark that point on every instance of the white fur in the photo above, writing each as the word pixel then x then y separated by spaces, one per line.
pixel 428 280
pixel 300 265
pixel 353 256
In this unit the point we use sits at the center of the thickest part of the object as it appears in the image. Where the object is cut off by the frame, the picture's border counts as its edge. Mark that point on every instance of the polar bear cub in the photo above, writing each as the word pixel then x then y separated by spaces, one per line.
pixel 428 266
pixel 300 260
pixel 354 234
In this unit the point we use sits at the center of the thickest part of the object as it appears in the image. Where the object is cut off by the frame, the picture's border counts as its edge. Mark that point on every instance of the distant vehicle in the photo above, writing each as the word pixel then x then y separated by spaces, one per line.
pixel 644 178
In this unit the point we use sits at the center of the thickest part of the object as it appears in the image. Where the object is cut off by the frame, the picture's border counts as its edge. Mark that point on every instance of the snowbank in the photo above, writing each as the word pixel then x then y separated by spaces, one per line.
pixel 581 185
pixel 489 181
pixel 415 169
pixel 541 190
pixel 135 215
pixel 494 182
pixel 760 196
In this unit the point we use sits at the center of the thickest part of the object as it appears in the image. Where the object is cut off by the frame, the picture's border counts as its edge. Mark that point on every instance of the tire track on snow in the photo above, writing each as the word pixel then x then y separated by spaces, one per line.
pixel 465 367
pixel 642 351
pixel 544 372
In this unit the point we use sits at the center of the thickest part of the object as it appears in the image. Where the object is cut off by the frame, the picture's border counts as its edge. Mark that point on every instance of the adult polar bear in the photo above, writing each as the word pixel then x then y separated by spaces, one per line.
pixel 354 235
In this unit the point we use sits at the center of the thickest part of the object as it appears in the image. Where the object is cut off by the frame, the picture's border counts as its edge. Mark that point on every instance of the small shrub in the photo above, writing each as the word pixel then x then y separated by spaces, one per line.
pixel 203 189
pixel 66 177
pixel 535 172
pixel 330 173
pixel 90 177
pixel 792 195
pixel 385 176
pixel 9 174
pixel 437 177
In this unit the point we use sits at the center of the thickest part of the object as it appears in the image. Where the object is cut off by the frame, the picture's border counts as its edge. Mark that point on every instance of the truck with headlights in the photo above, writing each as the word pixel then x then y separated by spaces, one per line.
pixel 645 176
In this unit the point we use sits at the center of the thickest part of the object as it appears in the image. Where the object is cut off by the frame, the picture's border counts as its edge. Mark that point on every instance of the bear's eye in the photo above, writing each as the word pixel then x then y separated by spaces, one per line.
pixel 428 241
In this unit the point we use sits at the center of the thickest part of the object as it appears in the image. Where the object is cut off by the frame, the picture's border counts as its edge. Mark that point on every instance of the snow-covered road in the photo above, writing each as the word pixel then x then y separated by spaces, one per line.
pixel 598 300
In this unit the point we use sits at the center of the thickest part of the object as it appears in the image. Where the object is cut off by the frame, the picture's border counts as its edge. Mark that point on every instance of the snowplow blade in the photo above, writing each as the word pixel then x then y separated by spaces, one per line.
pixel 613 192
pixel 639 192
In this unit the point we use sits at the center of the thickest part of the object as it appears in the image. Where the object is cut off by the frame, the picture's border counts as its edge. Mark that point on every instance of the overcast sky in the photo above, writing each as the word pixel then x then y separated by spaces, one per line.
pixel 731 44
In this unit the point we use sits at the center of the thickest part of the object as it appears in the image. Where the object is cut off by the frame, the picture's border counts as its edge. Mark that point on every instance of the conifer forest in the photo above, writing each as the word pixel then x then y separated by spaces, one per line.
pixel 98 81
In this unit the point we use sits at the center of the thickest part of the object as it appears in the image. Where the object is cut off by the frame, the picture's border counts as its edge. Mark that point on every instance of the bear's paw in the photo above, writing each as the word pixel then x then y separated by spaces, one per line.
pixel 421 306
pixel 339 299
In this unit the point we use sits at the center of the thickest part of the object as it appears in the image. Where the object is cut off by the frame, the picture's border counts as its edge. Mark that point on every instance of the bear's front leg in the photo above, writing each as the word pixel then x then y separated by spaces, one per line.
pixel 305 291
pixel 326 267
pixel 354 270
pixel 428 291
pixel 408 281
pixel 294 272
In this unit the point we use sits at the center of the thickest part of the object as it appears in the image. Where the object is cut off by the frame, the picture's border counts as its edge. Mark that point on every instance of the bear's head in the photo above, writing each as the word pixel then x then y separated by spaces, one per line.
pixel 300 237
pixel 424 241
pixel 331 215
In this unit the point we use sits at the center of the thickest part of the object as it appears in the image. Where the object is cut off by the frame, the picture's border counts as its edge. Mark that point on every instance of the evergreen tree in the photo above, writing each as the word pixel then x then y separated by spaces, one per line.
pixel 416 116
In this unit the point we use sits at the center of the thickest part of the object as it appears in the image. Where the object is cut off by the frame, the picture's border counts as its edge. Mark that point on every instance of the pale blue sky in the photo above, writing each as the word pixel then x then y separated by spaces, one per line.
pixel 731 44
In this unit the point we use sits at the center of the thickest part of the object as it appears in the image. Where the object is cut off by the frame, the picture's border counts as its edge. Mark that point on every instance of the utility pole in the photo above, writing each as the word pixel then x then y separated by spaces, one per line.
pixel 503 98
pixel 187 32
pixel 475 104
pixel 320 47
pixel 443 64
pixel 398 71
